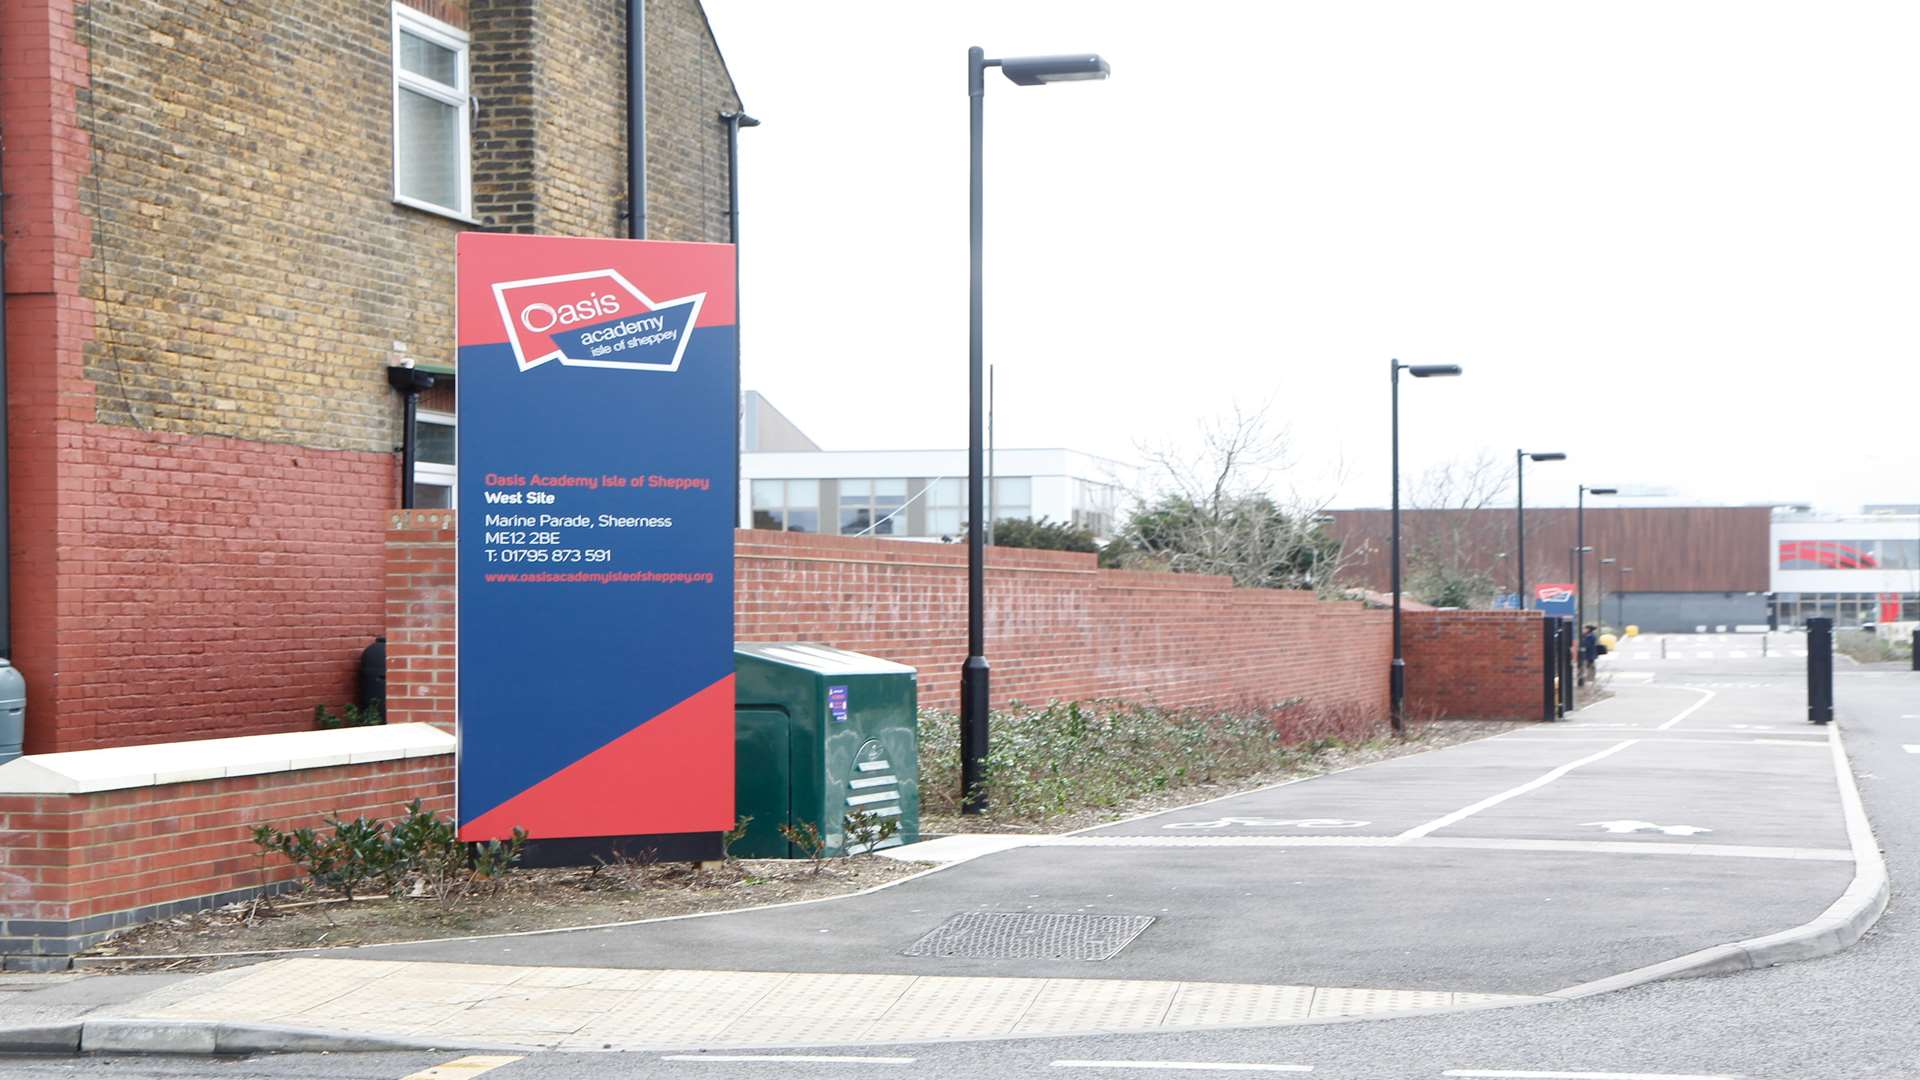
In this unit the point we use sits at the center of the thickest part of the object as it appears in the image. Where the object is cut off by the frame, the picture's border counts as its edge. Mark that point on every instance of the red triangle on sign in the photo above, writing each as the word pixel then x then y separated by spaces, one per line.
pixel 672 774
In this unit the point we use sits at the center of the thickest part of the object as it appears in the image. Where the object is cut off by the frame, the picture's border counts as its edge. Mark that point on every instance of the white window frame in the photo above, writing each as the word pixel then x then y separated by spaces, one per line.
pixel 434 472
pixel 461 98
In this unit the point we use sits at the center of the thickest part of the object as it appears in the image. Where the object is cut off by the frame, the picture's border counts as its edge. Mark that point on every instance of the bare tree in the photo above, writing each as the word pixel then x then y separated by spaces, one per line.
pixel 1213 509
pixel 1458 535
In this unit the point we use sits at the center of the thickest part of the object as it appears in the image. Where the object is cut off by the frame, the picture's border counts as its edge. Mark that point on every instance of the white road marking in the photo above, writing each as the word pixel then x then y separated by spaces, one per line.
pixel 1269 823
pixel 1214 1066
pixel 1783 742
pixel 471 1065
pixel 805 1059
pixel 1689 710
pixel 1531 1074
pixel 1630 826
pixel 1912 748
pixel 1532 785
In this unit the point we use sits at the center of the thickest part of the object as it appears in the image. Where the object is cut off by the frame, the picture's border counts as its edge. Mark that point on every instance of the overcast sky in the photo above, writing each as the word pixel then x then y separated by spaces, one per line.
pixel 1679 241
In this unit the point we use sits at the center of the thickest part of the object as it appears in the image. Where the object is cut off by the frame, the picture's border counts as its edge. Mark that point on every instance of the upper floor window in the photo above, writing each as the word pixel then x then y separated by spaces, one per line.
pixel 786 505
pixel 432 120
pixel 872 507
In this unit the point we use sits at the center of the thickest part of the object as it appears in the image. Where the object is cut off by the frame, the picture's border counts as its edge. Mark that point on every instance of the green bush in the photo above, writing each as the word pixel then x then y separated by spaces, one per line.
pixel 1069 756
pixel 349 716
pixel 1042 534
pixel 365 856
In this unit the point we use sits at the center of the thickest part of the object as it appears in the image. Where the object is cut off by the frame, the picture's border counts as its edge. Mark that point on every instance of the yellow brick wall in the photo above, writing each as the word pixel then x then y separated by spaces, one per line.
pixel 249 270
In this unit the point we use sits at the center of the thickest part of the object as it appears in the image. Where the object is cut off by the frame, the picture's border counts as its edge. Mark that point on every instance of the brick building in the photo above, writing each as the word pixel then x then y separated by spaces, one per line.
pixel 224 221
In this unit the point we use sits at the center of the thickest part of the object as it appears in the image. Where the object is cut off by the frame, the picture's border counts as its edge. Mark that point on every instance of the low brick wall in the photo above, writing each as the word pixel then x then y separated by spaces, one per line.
pixel 1480 665
pixel 75 866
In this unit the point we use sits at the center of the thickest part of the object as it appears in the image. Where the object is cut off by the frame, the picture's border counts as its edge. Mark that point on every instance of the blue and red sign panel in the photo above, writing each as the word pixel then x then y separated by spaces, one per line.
pixel 1556 599
pixel 598 383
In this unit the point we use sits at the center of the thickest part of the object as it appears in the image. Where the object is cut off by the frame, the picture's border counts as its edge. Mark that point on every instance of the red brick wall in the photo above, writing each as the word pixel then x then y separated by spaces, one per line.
pixel 1482 665
pixel 166 586
pixel 72 857
pixel 420 609
pixel 1057 625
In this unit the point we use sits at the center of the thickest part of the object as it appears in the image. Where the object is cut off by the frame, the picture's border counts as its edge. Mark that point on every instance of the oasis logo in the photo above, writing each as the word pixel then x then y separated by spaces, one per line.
pixel 541 318
pixel 596 318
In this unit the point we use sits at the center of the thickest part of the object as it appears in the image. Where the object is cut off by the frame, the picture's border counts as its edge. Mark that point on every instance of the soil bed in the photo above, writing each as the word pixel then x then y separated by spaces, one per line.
pixel 1420 737
pixel 531 900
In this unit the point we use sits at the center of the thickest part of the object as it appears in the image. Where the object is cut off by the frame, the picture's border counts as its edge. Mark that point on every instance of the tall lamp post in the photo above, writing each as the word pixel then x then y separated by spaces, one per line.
pixel 1600 601
pixel 1580 550
pixel 1620 596
pixel 1397 676
pixel 1022 71
pixel 1520 459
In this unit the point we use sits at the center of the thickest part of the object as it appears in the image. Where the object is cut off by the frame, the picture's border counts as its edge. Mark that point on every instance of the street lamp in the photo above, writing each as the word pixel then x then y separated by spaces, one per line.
pixel 1600 602
pixel 1022 71
pixel 1620 596
pixel 1397 676
pixel 1580 553
pixel 1520 458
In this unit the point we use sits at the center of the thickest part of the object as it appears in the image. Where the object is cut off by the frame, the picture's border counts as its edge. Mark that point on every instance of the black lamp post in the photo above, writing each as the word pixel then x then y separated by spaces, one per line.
pixel 1620 596
pixel 1520 458
pixel 1580 549
pixel 1397 676
pixel 1022 71
pixel 1600 577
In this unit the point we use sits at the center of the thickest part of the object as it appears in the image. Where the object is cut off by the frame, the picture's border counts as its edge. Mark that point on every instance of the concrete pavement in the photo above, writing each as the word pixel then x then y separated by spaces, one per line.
pixel 1665 822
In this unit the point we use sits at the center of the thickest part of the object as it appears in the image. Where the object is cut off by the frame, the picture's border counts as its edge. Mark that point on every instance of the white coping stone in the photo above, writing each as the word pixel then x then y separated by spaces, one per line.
pixel 113 768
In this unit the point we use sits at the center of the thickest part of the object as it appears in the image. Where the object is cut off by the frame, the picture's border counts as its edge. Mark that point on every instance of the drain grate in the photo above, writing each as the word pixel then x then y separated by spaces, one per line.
pixel 997 935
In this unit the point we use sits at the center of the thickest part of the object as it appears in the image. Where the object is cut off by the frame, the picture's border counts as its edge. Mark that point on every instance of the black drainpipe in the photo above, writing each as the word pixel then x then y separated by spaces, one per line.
pixel 735 121
pixel 637 119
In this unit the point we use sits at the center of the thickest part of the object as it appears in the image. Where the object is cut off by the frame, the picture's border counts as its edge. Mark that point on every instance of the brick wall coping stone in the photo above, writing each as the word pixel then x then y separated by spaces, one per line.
pixel 116 768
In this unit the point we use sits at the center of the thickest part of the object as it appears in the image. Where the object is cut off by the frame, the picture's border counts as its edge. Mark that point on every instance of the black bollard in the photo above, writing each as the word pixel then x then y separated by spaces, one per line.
pixel 1568 642
pixel 1819 670
pixel 1549 670
pixel 1916 648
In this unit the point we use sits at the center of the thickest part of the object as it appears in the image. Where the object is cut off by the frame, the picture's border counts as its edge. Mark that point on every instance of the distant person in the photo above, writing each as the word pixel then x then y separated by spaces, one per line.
pixel 1590 650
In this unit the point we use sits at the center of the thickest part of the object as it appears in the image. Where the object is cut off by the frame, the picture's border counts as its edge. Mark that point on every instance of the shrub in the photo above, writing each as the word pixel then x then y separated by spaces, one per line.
pixel 348 716
pixel 422 850
pixel 1042 534
pixel 866 831
pixel 1069 756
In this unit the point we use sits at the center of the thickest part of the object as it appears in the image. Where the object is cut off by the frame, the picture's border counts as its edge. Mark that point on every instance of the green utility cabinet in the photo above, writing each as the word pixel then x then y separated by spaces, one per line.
pixel 819 731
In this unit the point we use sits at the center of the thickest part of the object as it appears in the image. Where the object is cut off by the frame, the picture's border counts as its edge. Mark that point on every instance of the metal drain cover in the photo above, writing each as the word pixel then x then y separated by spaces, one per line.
pixel 997 935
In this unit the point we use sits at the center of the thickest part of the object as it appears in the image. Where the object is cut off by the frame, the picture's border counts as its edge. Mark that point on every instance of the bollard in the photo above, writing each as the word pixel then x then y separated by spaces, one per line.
pixel 1549 670
pixel 1663 648
pixel 1763 646
pixel 1569 640
pixel 1916 648
pixel 1819 670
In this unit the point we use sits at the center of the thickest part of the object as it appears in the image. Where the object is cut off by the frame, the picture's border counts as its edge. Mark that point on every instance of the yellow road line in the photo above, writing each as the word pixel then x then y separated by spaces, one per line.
pixel 458 1068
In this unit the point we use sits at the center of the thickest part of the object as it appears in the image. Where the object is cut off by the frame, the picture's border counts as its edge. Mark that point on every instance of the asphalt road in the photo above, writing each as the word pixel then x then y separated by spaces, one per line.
pixel 1856 1014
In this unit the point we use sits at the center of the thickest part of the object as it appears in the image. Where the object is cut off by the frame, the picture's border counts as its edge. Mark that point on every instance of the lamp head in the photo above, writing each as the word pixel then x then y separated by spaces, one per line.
pixel 1603 491
pixel 1549 456
pixel 1072 67
pixel 1430 371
